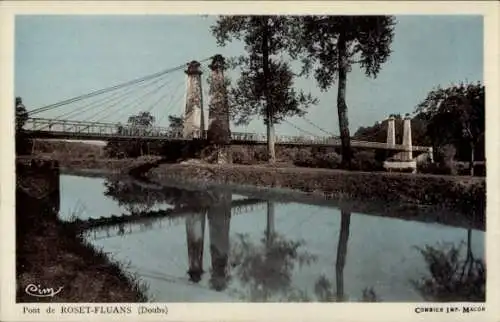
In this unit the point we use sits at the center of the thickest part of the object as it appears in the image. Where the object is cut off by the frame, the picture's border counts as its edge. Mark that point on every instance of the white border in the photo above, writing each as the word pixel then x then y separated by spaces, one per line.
pixel 246 312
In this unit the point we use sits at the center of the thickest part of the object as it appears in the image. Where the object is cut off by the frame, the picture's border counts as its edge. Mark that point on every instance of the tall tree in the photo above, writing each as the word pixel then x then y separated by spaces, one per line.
pixel 456 116
pixel 265 86
pixel 330 45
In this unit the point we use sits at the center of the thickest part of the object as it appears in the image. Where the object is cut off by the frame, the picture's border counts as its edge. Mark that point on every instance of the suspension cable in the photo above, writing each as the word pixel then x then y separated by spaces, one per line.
pixel 133 103
pixel 108 89
pixel 298 128
pixel 155 104
pixel 101 102
pixel 316 126
pixel 176 92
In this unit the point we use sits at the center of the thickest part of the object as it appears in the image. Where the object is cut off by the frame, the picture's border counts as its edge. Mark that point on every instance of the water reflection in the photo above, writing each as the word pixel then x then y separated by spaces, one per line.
pixel 219 218
pixel 258 260
pixel 451 276
pixel 195 233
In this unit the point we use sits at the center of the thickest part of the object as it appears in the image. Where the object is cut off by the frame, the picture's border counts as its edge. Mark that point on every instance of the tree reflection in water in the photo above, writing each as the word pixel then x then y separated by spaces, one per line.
pixel 265 269
pixel 452 277
pixel 323 288
pixel 137 196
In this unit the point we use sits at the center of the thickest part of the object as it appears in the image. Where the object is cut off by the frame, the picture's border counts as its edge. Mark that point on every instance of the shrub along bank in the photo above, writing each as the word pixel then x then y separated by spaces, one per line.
pixel 77 155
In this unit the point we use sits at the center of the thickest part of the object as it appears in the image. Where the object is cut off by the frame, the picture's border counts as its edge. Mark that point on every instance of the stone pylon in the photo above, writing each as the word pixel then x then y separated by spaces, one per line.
pixel 407 154
pixel 194 120
pixel 219 133
pixel 391 131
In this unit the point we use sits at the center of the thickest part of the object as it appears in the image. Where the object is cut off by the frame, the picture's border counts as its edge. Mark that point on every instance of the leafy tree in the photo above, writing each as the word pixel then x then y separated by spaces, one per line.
pixel 332 44
pixel 21 114
pixel 139 124
pixel 456 116
pixel 141 120
pixel 176 124
pixel 265 86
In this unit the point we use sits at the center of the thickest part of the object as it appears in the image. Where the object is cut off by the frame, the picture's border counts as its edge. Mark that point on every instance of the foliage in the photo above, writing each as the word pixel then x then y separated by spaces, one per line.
pixel 136 198
pixel 266 268
pixel 143 119
pixel 176 124
pixel 330 45
pixel 265 86
pixel 452 278
pixel 456 115
pixel 21 114
pixel 366 161
pixel 378 131
pixel 139 124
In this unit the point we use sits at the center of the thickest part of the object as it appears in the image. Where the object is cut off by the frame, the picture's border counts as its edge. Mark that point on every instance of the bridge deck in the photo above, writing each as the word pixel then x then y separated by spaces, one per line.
pixel 64 129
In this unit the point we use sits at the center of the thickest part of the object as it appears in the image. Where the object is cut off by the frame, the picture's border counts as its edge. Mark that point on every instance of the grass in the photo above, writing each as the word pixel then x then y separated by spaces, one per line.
pixel 54 254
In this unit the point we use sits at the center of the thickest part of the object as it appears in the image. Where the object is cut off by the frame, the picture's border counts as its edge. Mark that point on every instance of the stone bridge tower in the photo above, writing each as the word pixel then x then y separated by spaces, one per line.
pixel 219 133
pixel 194 120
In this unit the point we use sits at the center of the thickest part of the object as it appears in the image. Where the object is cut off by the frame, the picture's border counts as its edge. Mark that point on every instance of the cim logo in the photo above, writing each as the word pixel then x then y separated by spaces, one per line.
pixel 38 291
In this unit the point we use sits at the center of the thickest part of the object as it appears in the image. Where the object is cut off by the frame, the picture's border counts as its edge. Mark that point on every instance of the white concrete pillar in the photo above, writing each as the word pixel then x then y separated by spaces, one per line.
pixel 391 131
pixel 407 154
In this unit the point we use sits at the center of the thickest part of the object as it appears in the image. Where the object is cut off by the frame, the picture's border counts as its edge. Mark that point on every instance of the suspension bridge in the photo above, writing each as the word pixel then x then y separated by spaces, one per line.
pixel 99 115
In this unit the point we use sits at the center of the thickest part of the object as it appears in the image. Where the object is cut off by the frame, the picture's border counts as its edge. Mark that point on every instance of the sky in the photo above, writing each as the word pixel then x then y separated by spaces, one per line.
pixel 60 57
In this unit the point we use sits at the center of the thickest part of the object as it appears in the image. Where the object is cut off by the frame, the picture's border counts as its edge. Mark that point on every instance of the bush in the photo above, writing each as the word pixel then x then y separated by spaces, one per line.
pixel 436 168
pixel 303 158
pixel 366 161
pixel 240 155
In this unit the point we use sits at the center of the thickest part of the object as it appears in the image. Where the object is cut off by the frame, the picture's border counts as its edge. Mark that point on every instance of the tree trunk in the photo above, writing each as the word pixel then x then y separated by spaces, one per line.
pixel 471 165
pixel 269 105
pixel 345 136
pixel 345 222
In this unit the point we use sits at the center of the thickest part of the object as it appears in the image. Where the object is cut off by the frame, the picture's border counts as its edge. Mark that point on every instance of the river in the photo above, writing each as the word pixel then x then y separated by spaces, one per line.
pixel 227 247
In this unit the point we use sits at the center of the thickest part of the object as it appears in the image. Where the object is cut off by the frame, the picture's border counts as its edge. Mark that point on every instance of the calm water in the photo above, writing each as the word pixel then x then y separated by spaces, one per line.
pixel 227 247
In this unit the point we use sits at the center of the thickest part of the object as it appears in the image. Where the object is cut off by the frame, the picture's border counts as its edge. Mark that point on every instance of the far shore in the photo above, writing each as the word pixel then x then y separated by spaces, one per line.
pixel 416 194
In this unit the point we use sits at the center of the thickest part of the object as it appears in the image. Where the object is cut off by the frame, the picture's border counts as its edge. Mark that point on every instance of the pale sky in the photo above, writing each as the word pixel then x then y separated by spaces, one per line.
pixel 59 57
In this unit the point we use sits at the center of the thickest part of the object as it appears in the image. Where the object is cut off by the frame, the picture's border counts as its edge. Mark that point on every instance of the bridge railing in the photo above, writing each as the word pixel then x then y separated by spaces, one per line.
pixel 100 129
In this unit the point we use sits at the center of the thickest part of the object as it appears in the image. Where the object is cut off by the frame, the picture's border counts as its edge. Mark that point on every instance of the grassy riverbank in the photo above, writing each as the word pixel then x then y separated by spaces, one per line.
pixel 463 193
pixel 460 193
pixel 51 253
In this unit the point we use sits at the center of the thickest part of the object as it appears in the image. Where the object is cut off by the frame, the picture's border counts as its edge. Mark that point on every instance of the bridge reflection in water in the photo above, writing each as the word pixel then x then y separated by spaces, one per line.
pixel 264 270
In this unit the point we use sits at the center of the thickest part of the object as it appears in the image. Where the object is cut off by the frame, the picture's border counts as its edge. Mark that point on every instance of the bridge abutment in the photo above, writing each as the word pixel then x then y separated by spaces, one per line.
pixel 194 121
